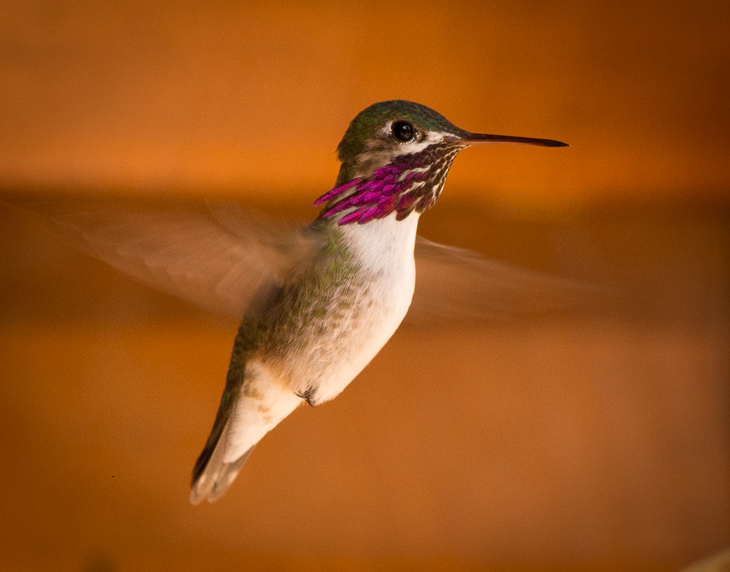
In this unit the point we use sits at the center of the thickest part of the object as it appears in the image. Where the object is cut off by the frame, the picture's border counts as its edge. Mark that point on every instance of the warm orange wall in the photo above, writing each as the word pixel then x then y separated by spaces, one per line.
pixel 581 440
pixel 239 95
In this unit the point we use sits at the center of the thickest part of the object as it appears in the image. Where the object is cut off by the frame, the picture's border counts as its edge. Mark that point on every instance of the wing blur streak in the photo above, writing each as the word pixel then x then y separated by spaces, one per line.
pixel 461 285
pixel 223 258
pixel 215 256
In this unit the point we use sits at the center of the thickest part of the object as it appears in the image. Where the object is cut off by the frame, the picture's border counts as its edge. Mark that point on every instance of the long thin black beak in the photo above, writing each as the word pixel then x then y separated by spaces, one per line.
pixel 483 139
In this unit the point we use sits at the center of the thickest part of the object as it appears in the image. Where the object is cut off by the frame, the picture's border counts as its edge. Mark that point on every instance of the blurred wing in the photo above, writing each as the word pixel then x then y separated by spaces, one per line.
pixel 217 256
pixel 457 284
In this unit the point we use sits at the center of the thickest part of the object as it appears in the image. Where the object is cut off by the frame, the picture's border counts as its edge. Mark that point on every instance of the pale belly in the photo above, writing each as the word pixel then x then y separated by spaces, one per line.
pixel 365 339
pixel 343 326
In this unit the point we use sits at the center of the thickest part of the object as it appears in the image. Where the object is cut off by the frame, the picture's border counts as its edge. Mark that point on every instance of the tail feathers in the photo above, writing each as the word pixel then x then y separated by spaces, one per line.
pixel 243 418
pixel 212 475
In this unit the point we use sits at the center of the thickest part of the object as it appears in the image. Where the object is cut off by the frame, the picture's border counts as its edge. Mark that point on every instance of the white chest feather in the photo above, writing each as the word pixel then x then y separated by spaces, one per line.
pixel 385 249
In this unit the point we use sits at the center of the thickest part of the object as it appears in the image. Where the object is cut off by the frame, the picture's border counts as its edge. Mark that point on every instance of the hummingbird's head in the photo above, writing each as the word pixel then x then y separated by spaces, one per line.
pixel 395 157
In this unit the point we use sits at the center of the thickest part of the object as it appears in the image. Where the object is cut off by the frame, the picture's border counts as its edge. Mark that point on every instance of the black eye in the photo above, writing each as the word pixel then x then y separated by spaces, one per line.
pixel 403 131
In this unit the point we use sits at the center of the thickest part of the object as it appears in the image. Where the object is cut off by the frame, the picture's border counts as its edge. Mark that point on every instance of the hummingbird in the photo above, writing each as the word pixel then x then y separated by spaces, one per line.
pixel 318 302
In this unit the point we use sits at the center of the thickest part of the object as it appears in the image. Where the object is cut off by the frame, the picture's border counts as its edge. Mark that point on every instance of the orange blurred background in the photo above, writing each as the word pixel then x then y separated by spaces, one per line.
pixel 584 441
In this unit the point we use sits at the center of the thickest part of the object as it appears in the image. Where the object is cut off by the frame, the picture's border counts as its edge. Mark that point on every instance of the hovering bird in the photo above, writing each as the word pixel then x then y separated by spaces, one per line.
pixel 318 303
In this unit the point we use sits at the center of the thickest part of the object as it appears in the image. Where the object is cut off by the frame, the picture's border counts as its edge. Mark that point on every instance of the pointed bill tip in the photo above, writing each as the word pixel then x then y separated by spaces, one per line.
pixel 553 143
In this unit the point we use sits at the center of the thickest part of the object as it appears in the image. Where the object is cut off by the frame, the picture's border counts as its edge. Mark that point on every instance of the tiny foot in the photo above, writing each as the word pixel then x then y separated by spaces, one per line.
pixel 307 396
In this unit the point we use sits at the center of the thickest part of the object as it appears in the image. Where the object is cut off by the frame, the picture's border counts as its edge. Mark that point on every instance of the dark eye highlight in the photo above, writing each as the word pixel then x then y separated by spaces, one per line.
pixel 403 131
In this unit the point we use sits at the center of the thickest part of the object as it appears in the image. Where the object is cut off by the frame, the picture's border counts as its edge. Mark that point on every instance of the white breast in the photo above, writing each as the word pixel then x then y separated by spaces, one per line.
pixel 385 249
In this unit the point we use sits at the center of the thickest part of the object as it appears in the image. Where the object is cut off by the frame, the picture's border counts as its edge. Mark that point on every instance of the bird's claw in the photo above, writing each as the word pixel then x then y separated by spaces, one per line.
pixel 307 396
